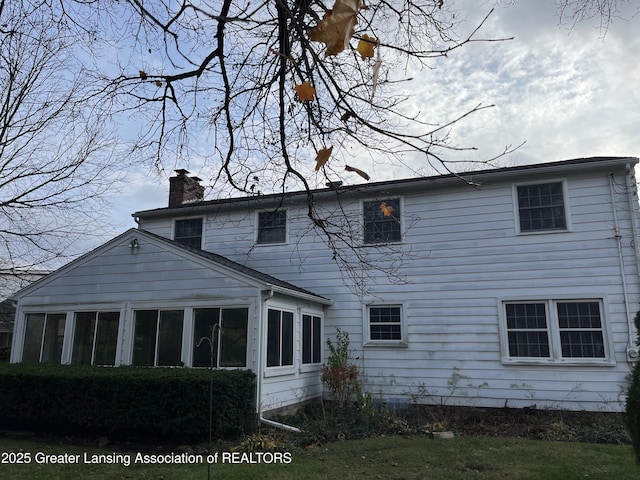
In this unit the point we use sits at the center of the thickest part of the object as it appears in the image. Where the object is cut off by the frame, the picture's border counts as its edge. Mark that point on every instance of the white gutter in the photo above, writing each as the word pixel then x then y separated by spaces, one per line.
pixel 631 340
pixel 265 296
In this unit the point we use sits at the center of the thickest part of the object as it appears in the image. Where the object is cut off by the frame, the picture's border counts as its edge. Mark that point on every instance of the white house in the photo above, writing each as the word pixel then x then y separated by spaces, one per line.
pixel 517 287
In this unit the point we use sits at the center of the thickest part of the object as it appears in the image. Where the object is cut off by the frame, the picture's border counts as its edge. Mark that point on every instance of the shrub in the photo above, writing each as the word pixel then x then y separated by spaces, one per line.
pixel 632 410
pixel 124 401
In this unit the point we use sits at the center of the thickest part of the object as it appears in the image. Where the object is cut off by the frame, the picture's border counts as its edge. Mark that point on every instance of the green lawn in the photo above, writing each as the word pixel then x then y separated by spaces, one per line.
pixel 395 457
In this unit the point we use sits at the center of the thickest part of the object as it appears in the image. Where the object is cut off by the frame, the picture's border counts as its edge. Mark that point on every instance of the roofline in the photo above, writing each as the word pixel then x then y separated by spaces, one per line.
pixel 477 176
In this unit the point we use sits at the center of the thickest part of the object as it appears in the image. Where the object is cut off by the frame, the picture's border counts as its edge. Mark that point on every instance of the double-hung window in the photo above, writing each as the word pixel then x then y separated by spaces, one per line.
pixel 44 337
pixel 272 227
pixel 158 337
pixel 95 338
pixel 555 330
pixel 279 338
pixel 220 337
pixel 382 221
pixel 541 207
pixel 189 232
pixel 385 324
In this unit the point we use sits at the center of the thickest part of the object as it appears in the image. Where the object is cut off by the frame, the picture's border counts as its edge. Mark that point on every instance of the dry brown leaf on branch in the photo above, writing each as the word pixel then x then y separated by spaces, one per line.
pixel 322 157
pixel 143 74
pixel 305 91
pixel 366 46
pixel 337 26
pixel 363 174
pixel 387 210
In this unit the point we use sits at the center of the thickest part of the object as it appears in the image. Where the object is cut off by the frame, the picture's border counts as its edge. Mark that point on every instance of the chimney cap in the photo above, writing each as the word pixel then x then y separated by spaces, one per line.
pixel 181 171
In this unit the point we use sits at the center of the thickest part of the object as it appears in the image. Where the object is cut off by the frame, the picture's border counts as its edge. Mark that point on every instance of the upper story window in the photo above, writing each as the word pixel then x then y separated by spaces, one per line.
pixel 541 207
pixel 272 227
pixel 382 221
pixel 555 330
pixel 189 232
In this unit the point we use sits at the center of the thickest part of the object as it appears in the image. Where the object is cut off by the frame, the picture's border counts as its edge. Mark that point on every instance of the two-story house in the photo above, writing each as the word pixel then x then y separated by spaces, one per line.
pixel 517 287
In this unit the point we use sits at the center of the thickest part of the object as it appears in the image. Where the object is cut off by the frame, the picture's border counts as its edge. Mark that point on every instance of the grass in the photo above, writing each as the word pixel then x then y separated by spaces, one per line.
pixel 390 457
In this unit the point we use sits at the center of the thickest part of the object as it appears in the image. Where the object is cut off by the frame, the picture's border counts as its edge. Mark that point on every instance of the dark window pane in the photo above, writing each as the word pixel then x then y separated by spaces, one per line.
pixel 83 338
pixel 541 207
pixel 233 351
pixel 272 227
pixel 385 323
pixel 170 338
pixel 317 340
pixel 144 341
pixel 287 338
pixel 307 338
pixel 189 232
pixel 53 338
pixel 528 344
pixel 205 330
pixel 576 344
pixel 33 338
pixel 580 330
pixel 106 338
pixel 273 338
pixel 382 221
pixel 527 330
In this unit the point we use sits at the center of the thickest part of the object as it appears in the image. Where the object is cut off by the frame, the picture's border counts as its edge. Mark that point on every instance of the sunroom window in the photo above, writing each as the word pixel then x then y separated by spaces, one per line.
pixel 220 337
pixel 158 337
pixel 95 338
pixel 43 337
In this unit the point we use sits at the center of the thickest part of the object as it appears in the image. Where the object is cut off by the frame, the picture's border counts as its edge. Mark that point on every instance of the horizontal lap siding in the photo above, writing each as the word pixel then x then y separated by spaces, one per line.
pixel 460 256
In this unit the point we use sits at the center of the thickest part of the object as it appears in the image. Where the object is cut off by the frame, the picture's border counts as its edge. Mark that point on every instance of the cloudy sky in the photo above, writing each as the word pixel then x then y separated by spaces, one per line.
pixel 565 92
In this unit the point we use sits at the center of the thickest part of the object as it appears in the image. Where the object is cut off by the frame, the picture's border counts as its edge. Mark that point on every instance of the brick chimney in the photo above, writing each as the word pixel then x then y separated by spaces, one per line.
pixel 184 189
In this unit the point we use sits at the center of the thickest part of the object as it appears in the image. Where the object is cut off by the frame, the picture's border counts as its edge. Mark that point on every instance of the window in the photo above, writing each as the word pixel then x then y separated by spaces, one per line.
pixel 382 221
pixel 385 323
pixel 220 334
pixel 189 232
pixel 311 339
pixel 541 207
pixel 279 338
pixel 272 227
pixel 555 330
pixel 95 338
pixel 158 338
pixel 43 337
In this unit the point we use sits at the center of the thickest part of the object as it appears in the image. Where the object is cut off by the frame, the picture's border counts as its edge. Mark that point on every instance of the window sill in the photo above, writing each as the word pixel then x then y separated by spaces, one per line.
pixel 279 371
pixel 386 344
pixel 270 244
pixel 573 362
pixel 542 232
pixel 310 367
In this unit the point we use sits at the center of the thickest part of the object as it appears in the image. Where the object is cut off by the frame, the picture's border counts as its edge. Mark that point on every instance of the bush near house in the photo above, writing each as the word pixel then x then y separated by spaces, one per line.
pixel 125 401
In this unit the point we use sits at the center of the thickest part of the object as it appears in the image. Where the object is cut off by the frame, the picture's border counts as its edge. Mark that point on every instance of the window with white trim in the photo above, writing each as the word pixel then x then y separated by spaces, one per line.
pixel 541 207
pixel 188 232
pixel 43 337
pixel 158 338
pixel 220 337
pixel 279 338
pixel 311 339
pixel 95 338
pixel 272 227
pixel 555 330
pixel 385 323
pixel 382 221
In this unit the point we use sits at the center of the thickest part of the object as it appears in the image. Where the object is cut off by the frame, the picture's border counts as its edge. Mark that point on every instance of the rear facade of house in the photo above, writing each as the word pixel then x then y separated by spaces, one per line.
pixel 515 287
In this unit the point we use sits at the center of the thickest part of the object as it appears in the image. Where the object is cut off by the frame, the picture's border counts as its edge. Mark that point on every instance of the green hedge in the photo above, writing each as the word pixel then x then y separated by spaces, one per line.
pixel 632 408
pixel 125 401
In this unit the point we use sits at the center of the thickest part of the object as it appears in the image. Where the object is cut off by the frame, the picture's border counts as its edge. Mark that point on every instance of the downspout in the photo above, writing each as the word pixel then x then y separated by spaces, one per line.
pixel 632 354
pixel 630 342
pixel 266 295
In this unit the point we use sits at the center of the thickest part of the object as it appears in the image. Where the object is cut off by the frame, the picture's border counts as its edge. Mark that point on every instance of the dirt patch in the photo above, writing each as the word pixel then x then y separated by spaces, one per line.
pixel 591 427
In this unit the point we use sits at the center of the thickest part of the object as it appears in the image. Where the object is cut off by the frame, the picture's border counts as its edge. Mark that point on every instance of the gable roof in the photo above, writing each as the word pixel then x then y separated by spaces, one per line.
pixel 371 188
pixel 214 261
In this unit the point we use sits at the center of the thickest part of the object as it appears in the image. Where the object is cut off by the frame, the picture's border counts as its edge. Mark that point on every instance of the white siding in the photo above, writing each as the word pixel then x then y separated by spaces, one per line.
pixel 460 257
